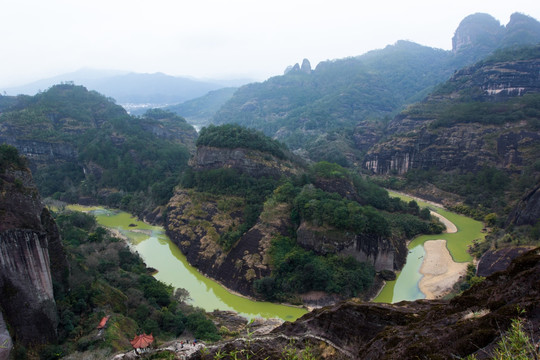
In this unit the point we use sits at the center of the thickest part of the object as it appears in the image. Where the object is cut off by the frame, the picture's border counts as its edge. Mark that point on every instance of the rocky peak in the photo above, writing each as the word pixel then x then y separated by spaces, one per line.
pixel 477 30
pixel 306 66
pixel 296 68
pixel 522 29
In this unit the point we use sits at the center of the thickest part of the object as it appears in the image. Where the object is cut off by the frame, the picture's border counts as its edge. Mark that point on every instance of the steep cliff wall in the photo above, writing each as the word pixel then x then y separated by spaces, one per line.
pixel 527 211
pixel 250 162
pixel 457 129
pixel 29 247
pixel 195 222
pixel 383 254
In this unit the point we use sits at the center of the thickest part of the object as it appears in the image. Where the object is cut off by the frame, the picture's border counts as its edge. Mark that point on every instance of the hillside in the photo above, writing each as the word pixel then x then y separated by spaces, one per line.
pixel 69 273
pixel 302 107
pixel 83 147
pixel 327 113
pixel 250 215
pixel 200 111
pixel 477 135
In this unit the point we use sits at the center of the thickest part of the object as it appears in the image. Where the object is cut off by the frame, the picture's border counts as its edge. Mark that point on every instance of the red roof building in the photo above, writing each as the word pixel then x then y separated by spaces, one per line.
pixel 142 341
pixel 103 322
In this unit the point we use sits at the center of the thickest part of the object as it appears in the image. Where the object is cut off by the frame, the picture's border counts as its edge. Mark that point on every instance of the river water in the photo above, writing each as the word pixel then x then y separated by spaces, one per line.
pixel 405 287
pixel 158 252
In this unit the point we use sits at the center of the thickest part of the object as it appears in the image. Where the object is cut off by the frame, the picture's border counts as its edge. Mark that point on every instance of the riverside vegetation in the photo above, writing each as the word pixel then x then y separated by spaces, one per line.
pixel 107 278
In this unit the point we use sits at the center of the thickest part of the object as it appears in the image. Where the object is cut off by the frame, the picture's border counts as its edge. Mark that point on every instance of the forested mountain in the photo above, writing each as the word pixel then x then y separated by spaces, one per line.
pixel 324 113
pixel 476 135
pixel 299 107
pixel 84 147
pixel 250 215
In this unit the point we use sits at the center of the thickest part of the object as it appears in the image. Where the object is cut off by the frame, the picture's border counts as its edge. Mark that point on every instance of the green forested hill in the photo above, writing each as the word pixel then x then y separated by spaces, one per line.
pixel 82 146
pixel 477 135
pixel 261 223
pixel 326 113
pixel 298 107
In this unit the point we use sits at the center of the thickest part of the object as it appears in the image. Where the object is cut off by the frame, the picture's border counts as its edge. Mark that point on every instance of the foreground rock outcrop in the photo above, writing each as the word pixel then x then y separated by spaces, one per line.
pixel 31 259
pixel 437 329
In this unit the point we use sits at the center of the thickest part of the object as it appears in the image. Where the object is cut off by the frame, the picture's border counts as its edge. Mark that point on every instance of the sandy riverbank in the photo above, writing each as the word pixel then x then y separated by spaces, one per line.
pixel 440 271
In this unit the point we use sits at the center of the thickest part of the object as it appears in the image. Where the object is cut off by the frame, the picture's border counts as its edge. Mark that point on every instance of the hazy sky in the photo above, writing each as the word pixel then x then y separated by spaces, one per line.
pixel 218 38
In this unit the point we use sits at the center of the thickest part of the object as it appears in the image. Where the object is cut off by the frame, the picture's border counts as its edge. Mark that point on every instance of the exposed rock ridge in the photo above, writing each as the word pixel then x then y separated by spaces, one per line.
pixel 498 81
pixel 414 144
pixel 250 162
pixel 436 329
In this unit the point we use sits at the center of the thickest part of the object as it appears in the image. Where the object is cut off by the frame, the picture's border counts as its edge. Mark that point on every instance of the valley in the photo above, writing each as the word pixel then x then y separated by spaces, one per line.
pixel 381 206
pixel 172 268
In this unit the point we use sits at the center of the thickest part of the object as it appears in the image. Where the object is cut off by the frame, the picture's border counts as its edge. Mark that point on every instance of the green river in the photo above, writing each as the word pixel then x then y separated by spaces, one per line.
pixel 405 287
pixel 158 252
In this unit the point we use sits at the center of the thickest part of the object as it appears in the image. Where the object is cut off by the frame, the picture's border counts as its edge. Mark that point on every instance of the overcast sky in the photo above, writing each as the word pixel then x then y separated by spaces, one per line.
pixel 218 38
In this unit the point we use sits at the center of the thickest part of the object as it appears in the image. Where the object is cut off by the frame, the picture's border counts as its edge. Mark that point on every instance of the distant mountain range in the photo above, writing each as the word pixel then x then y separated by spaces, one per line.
pixel 132 90
pixel 321 113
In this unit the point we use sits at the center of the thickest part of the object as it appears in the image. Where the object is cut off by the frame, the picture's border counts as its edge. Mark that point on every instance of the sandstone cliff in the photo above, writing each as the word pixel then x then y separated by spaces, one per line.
pixel 382 253
pixel 247 161
pixel 454 129
pixel 527 211
pixel 195 222
pixel 31 259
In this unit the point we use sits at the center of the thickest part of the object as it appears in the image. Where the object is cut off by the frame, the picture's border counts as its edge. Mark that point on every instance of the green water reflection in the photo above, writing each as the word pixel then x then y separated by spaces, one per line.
pixel 160 253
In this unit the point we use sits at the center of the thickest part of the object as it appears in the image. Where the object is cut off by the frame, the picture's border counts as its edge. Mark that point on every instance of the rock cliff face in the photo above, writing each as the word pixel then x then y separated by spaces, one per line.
pixel 195 222
pixel 383 254
pixel 38 152
pixel 527 211
pixel 5 340
pixel 436 329
pixel 31 259
pixel 414 143
pixel 250 162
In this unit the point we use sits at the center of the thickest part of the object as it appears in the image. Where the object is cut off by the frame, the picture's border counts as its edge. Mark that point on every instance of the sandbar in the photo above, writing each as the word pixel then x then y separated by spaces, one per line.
pixel 440 271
